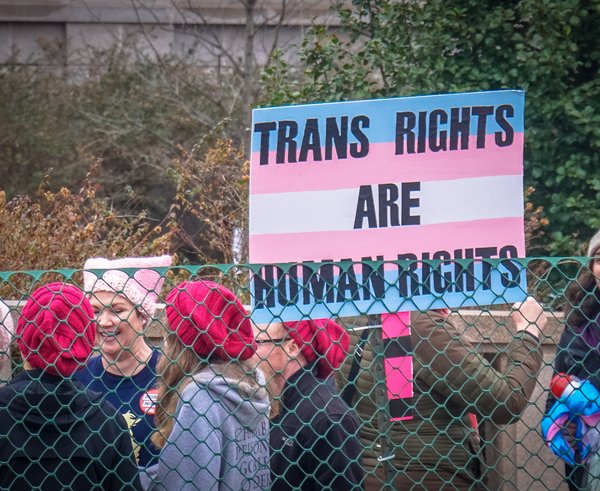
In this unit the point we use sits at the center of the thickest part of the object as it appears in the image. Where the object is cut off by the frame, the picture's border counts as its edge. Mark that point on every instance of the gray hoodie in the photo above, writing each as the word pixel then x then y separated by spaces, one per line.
pixel 220 439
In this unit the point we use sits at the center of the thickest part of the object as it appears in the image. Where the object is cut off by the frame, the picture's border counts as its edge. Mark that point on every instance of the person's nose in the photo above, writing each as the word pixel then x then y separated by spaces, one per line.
pixel 105 318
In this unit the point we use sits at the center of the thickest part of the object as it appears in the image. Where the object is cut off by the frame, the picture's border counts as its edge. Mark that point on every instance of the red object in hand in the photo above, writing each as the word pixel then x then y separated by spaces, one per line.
pixel 563 384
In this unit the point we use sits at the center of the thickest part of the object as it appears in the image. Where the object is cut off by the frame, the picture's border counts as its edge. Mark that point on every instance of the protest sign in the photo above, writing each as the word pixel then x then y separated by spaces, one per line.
pixel 407 180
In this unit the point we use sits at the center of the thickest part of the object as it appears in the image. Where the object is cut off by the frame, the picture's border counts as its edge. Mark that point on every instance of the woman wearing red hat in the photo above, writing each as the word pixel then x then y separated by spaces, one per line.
pixel 54 434
pixel 212 415
pixel 314 437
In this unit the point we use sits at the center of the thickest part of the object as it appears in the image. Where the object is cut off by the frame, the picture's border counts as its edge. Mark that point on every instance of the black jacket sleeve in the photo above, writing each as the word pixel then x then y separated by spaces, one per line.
pixel 337 453
pixel 124 473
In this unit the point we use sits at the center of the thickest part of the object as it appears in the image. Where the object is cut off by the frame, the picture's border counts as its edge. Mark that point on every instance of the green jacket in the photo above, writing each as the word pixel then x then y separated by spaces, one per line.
pixel 439 445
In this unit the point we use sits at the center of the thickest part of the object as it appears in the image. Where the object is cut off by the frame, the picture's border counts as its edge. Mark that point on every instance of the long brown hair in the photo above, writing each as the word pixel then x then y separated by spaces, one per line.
pixel 583 297
pixel 175 368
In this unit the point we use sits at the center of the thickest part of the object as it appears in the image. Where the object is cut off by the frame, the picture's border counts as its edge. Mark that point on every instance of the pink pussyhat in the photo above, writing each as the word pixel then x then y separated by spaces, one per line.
pixel 141 287
pixel 322 340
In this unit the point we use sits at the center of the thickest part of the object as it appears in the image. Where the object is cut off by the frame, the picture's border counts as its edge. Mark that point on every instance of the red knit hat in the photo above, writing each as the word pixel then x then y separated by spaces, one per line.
pixel 56 329
pixel 322 340
pixel 209 318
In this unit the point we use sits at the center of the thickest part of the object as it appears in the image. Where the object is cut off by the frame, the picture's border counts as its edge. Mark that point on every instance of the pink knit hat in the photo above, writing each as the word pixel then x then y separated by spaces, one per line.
pixel 209 318
pixel 56 329
pixel 6 327
pixel 322 340
pixel 141 287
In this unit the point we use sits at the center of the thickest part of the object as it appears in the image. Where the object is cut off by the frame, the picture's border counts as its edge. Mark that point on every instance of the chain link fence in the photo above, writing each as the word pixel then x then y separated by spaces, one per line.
pixel 177 372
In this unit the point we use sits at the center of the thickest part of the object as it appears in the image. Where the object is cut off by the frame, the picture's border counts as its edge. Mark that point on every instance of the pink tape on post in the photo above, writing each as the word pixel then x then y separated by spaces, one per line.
pixel 398 364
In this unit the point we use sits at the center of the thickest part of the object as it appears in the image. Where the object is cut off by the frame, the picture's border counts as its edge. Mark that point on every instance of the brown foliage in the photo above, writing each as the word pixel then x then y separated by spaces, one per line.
pixel 211 203
pixel 535 223
pixel 61 229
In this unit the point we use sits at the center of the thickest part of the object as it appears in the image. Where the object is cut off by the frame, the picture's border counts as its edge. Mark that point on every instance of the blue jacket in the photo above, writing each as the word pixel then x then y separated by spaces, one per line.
pixel 314 440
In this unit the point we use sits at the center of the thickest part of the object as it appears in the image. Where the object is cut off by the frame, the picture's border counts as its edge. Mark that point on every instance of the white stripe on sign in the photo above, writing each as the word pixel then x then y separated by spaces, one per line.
pixel 459 200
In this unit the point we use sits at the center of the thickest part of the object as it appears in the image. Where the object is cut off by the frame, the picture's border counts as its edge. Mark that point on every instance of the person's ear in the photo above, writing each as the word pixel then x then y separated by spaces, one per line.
pixel 293 349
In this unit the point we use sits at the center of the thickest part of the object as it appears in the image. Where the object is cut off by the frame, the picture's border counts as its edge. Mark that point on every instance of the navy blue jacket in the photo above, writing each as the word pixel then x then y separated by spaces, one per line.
pixel 130 396
pixel 314 442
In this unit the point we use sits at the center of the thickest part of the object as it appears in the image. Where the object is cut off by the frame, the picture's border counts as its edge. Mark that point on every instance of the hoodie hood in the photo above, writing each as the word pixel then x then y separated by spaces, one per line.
pixel 222 429
pixel 41 399
pixel 238 392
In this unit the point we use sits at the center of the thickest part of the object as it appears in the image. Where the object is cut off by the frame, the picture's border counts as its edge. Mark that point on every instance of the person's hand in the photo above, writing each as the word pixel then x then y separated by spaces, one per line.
pixel 529 316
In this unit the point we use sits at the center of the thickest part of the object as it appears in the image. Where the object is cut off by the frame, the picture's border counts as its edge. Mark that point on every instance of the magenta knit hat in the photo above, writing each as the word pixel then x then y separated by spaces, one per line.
pixel 141 288
pixel 56 329
pixel 209 318
pixel 322 340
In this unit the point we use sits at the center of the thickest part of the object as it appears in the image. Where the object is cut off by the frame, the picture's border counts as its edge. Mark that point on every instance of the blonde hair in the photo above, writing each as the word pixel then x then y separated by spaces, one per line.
pixel 6 333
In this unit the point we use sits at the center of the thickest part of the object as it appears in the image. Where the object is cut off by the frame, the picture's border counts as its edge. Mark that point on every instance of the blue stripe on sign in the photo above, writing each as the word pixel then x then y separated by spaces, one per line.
pixel 382 113
pixel 287 298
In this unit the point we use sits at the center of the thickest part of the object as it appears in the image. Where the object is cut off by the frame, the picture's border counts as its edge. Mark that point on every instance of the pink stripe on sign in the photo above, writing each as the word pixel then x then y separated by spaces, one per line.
pixel 382 166
pixel 398 375
pixel 395 325
pixel 399 370
pixel 388 242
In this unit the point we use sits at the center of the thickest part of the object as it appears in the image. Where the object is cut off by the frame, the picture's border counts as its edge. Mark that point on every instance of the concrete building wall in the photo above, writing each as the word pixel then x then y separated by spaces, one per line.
pixel 211 33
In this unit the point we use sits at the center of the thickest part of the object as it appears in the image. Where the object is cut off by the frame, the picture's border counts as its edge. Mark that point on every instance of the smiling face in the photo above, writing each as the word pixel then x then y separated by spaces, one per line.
pixel 120 325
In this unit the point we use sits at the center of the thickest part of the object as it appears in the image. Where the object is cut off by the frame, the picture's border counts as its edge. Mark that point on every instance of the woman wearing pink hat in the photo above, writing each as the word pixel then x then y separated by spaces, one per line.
pixel 54 434
pixel 212 415
pixel 124 294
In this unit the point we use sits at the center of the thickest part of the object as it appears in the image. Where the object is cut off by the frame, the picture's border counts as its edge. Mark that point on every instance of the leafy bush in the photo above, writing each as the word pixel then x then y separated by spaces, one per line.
pixel 211 204
pixel 152 129
pixel 549 48
pixel 134 116
pixel 62 229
